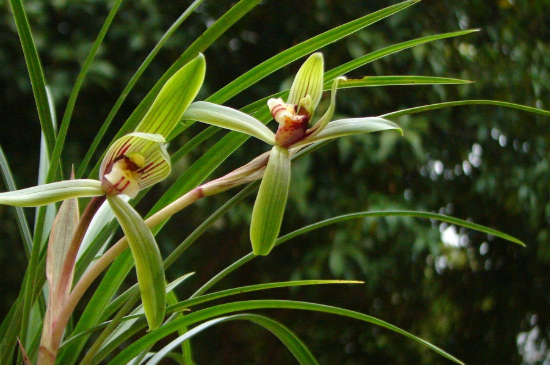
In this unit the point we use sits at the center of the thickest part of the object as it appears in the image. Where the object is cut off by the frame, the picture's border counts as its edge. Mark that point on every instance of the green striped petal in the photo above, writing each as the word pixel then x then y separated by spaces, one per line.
pixel 267 214
pixel 52 193
pixel 155 167
pixel 347 127
pixel 174 97
pixel 308 82
pixel 228 118
pixel 149 269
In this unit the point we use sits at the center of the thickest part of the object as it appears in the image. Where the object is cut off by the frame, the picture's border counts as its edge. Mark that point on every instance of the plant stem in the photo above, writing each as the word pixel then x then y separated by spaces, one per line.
pixel 50 344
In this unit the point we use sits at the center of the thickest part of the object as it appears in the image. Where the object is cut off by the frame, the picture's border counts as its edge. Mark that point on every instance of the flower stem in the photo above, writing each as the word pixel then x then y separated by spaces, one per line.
pixel 50 343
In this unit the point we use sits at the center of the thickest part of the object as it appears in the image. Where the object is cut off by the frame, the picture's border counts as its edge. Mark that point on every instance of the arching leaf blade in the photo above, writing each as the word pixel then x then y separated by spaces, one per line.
pixel 289 339
pixel 223 309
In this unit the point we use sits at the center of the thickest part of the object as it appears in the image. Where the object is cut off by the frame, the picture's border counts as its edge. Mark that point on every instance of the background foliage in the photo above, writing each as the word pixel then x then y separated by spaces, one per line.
pixel 483 300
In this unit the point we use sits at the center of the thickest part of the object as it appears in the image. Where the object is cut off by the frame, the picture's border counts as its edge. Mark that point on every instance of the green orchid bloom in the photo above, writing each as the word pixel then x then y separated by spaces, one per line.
pixel 132 163
pixel 293 133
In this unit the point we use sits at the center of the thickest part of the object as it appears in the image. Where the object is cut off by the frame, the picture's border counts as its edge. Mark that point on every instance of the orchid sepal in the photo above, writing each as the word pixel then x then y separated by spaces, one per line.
pixel 267 214
pixel 228 118
pixel 174 98
pixel 52 193
pixel 147 258
pixel 348 127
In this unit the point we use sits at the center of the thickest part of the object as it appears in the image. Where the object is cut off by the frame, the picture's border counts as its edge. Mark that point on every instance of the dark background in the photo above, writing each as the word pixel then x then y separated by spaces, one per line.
pixel 484 300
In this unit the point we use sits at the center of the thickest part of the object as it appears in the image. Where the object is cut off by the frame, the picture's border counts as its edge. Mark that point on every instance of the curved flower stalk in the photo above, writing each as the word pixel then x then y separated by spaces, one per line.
pixel 293 133
pixel 132 163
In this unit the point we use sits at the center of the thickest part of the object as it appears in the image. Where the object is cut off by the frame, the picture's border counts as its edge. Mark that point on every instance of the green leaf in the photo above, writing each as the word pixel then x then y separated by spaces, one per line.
pixel 35 72
pixel 208 313
pixel 196 300
pixel 401 213
pixel 8 332
pixel 59 143
pixel 174 97
pixel 136 319
pixel 347 127
pixel 396 80
pixel 43 168
pixel 20 214
pixel 269 207
pixel 245 259
pixel 51 193
pixel 148 261
pixel 358 62
pixel 290 340
pixel 424 108
pixel 229 118
pixel 300 50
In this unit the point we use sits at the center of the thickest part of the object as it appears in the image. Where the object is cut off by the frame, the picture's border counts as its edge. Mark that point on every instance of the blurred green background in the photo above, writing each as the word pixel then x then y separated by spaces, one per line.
pixel 484 300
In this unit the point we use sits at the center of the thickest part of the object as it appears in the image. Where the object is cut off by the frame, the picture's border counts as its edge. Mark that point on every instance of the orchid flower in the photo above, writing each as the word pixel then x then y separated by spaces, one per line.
pixel 293 133
pixel 132 163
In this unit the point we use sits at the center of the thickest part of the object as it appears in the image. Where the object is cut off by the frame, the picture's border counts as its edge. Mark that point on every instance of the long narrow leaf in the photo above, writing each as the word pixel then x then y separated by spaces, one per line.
pixel 293 53
pixel 439 217
pixel 370 81
pixel 43 167
pixel 137 323
pixel 9 331
pixel 219 310
pixel 20 215
pixel 59 143
pixel 402 213
pixel 420 109
pixel 35 72
pixel 291 341
pixel 361 61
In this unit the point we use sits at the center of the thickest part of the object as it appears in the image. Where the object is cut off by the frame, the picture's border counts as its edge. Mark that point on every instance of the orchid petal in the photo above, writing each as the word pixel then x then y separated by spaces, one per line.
pixel 151 146
pixel 267 214
pixel 308 81
pixel 346 127
pixel 228 118
pixel 174 97
pixel 149 269
pixel 322 123
pixel 52 193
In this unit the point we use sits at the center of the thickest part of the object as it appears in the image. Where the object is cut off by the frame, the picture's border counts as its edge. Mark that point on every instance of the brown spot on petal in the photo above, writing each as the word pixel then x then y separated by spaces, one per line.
pixel 293 130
